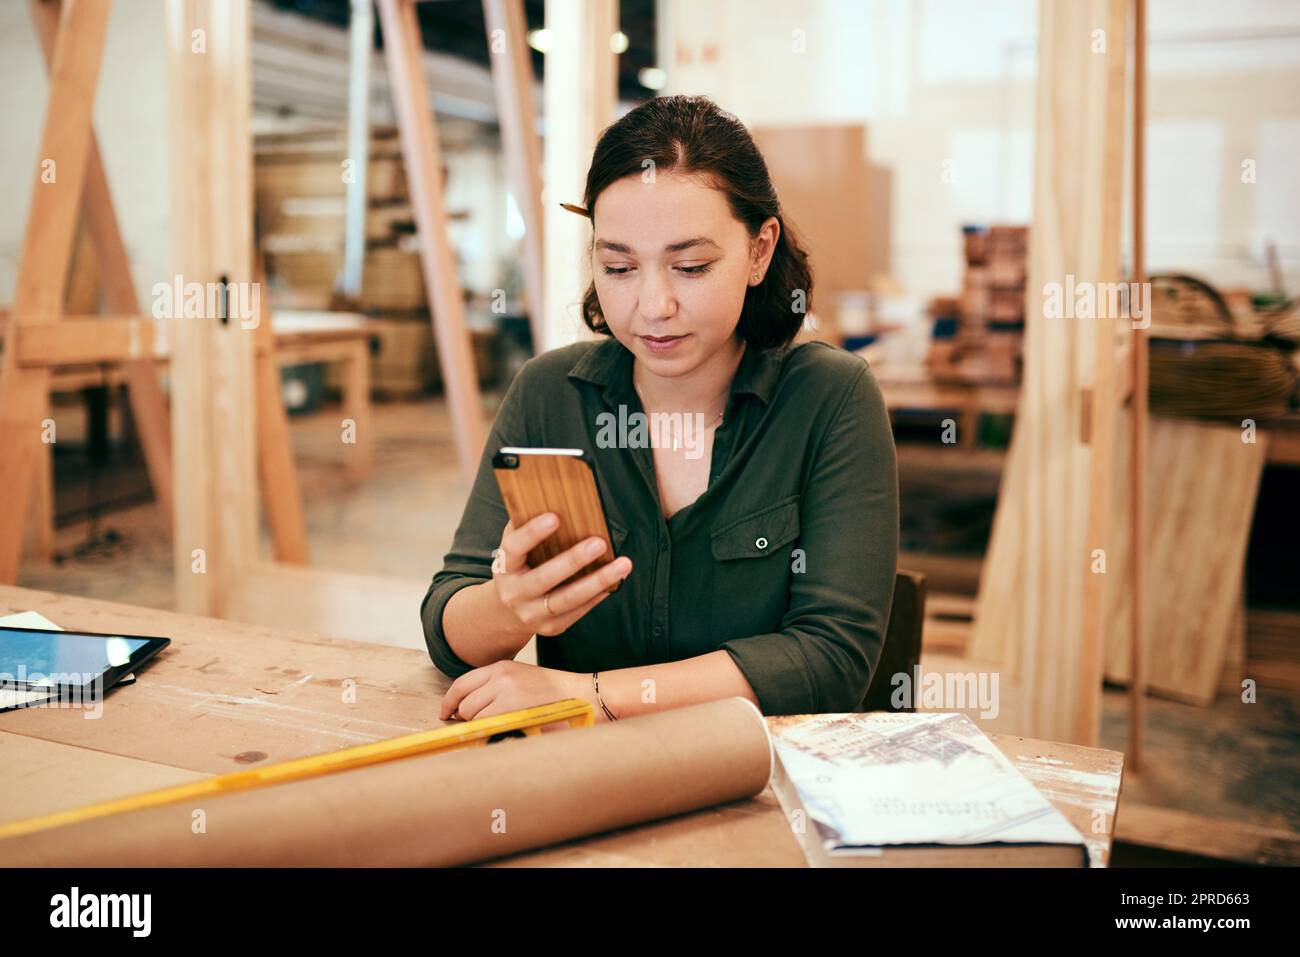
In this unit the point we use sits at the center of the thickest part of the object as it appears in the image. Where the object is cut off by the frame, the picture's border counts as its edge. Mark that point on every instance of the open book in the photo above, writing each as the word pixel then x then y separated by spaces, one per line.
pixel 912 790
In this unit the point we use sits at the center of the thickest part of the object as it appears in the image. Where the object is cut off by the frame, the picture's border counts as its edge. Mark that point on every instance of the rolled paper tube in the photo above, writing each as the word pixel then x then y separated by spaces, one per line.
pixel 453 808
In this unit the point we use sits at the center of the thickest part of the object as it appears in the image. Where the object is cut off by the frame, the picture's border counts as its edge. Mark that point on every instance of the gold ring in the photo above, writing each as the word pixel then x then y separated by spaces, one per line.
pixel 546 603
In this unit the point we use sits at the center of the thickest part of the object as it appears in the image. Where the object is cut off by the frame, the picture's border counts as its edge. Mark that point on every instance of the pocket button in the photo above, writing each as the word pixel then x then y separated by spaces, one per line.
pixel 760 543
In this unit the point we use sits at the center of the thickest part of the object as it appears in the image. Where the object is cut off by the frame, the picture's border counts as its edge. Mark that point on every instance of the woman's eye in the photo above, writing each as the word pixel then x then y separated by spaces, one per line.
pixel 687 270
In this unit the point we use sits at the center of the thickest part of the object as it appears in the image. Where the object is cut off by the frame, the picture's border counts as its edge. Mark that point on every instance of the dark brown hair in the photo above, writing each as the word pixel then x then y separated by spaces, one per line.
pixel 693 135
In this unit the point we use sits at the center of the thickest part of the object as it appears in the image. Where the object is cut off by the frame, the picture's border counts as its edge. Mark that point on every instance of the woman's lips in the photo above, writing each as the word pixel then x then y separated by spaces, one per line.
pixel 661 343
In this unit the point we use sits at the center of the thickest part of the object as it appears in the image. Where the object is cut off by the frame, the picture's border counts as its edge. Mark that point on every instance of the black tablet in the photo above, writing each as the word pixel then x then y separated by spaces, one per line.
pixel 37 665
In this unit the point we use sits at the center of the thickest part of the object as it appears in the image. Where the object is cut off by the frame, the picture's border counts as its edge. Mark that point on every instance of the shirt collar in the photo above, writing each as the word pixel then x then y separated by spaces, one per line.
pixel 609 364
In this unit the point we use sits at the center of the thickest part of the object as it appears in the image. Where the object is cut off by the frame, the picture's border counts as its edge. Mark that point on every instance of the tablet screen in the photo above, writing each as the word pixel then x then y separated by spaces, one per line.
pixel 31 658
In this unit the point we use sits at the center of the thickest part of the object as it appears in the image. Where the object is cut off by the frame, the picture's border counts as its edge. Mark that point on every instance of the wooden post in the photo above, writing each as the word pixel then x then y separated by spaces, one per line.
pixel 1105 392
pixel 356 406
pixel 40 525
pixel 581 88
pixel 403 51
pixel 361 41
pixel 1138 465
pixel 58 175
pixel 82 295
pixel 1033 615
pixel 148 403
pixel 512 74
pixel 281 495
pixel 209 79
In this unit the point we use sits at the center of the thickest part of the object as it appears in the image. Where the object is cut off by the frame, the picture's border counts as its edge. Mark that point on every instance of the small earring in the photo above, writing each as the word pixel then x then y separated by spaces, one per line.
pixel 755 277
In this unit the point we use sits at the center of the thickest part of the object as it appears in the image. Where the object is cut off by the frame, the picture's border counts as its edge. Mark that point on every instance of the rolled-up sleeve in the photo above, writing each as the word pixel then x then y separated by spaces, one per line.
pixel 831 638
pixel 470 560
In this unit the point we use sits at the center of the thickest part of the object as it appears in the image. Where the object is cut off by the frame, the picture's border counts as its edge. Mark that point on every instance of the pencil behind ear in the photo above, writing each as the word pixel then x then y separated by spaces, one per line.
pixel 576 209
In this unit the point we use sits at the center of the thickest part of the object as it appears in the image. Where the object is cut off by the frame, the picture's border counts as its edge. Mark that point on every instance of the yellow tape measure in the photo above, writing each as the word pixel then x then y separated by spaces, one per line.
pixel 481 731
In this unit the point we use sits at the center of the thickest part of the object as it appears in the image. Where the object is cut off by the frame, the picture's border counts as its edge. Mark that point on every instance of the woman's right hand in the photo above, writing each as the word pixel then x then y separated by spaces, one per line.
pixel 531 595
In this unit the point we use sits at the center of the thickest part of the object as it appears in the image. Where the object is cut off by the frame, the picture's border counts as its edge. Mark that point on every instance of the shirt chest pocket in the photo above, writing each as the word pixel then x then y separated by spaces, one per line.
pixel 749 584
pixel 760 534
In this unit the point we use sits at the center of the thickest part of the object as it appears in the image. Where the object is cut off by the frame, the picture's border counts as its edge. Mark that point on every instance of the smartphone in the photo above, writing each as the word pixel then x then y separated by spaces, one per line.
pixel 563 481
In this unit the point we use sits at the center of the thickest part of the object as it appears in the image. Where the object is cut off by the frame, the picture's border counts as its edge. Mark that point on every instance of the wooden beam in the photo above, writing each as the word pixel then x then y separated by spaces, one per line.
pixel 356 407
pixel 81 339
pixel 58 175
pixel 212 371
pixel 1106 336
pixel 281 496
pixel 1124 372
pixel 512 74
pixel 40 525
pixel 580 90
pixel 1138 406
pixel 82 294
pixel 1033 616
pixel 403 52
pixel 97 201
pixel 144 392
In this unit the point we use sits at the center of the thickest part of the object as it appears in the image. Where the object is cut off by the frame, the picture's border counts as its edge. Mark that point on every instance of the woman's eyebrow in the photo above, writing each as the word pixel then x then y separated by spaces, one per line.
pixel 670 248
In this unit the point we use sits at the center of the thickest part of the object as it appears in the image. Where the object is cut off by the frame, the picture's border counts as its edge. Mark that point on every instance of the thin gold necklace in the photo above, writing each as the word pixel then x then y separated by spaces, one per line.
pixel 677 437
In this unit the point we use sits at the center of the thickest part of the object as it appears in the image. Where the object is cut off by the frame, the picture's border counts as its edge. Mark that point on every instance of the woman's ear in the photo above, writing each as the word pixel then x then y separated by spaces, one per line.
pixel 763 246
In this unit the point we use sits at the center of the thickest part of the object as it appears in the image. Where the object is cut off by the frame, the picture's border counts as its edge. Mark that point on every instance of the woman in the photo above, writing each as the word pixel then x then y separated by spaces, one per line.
pixel 758 538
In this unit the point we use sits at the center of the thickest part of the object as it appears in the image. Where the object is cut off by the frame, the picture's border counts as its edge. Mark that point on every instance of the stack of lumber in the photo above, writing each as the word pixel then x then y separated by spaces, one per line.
pixel 392 281
pixel 301 196
pixel 990 313
pixel 404 358
pixel 403 363
pixel 945 354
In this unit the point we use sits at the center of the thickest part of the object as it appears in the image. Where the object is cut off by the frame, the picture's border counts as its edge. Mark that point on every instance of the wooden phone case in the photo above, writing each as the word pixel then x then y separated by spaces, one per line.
pixel 559 481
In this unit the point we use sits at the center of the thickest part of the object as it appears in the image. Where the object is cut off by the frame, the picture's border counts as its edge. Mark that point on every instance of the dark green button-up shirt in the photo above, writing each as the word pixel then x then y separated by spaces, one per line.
pixel 786 561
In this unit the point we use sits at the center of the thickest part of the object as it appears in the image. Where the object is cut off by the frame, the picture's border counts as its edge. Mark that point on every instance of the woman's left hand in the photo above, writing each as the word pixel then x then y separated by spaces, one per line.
pixel 511 686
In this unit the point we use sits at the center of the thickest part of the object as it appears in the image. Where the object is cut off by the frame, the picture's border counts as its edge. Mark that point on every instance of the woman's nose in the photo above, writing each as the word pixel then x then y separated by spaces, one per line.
pixel 655 297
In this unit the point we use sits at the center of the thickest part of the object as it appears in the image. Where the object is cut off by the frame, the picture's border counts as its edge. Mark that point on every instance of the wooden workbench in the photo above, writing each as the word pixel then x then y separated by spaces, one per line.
pixel 225 696
pixel 301 338
pixel 340 338
pixel 912 388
